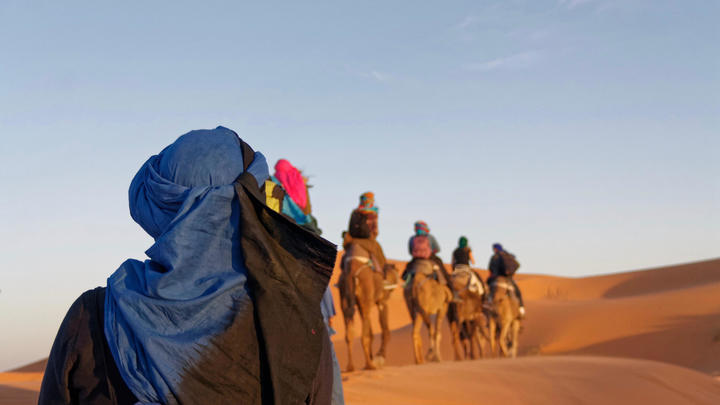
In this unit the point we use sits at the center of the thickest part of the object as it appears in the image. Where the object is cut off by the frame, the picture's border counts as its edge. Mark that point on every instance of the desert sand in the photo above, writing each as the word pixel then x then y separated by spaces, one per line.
pixel 650 336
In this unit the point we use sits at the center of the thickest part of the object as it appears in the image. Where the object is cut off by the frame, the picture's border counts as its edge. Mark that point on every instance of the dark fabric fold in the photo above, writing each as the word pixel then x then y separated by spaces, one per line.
pixel 289 269
pixel 81 369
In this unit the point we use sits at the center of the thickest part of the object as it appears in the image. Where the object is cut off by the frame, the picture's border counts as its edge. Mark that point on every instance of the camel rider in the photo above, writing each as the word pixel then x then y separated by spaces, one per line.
pixel 498 268
pixel 423 245
pixel 422 229
pixel 363 230
pixel 295 201
pixel 462 254
pixel 461 259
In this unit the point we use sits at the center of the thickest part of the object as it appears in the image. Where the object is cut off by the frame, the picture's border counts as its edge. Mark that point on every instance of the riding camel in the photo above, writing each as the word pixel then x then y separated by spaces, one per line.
pixel 362 286
pixel 469 328
pixel 506 315
pixel 425 297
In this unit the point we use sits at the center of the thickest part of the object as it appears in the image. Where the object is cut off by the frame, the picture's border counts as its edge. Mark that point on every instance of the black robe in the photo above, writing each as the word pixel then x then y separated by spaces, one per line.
pixel 275 352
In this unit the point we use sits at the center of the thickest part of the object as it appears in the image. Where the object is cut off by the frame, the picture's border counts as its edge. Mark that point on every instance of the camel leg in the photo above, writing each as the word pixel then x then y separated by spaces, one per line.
pixel 471 339
pixel 367 336
pixel 492 331
pixel 438 328
pixel 479 341
pixel 484 336
pixel 455 330
pixel 427 320
pixel 515 333
pixel 417 340
pixel 430 325
pixel 466 350
pixel 504 330
pixel 348 340
pixel 384 326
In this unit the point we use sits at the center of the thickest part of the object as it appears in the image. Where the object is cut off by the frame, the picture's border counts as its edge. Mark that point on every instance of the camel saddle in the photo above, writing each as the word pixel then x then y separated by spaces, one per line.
pixel 464 275
pixel 504 283
pixel 356 252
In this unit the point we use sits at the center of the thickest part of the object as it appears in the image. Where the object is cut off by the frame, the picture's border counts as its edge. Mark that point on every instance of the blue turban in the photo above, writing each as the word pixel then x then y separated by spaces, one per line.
pixel 160 313
pixel 497 246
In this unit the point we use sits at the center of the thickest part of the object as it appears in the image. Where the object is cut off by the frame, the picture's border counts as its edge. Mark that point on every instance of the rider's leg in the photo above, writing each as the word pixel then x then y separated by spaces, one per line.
pixel 444 277
pixel 406 272
pixel 519 297
pixel 491 289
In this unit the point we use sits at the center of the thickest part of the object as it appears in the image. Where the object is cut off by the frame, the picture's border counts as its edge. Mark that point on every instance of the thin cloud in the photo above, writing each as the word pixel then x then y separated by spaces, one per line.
pixel 517 61
pixel 466 22
pixel 571 4
pixel 376 75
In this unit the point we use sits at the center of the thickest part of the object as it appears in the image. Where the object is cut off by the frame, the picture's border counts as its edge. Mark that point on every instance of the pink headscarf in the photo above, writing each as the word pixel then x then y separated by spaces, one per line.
pixel 292 181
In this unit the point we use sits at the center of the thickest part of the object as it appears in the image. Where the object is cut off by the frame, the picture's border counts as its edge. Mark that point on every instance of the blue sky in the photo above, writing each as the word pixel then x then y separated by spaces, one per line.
pixel 582 134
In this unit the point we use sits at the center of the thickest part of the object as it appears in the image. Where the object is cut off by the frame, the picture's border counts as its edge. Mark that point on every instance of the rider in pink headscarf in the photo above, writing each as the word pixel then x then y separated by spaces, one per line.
pixel 293 183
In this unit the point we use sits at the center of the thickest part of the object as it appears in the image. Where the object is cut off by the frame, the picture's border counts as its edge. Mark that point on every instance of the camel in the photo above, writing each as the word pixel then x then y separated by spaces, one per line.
pixel 425 297
pixel 362 286
pixel 469 328
pixel 505 306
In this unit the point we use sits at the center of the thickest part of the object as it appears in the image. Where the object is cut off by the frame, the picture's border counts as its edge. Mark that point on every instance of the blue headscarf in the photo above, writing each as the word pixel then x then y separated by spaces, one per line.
pixel 161 313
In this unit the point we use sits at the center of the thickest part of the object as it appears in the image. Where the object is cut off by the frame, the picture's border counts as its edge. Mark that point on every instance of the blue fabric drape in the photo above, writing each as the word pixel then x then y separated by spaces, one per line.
pixel 161 313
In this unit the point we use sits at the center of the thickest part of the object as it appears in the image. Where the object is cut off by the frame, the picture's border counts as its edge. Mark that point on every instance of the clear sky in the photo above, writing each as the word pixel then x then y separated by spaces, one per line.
pixel 582 134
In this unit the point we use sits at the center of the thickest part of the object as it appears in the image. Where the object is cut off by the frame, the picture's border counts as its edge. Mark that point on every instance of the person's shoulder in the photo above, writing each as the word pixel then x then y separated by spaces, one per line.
pixel 92 293
pixel 87 302
pixel 83 310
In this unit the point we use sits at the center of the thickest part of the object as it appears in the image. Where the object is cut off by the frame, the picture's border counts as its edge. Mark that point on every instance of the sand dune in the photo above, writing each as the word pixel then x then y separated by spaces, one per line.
pixel 19 388
pixel 535 380
pixel 36 367
pixel 669 315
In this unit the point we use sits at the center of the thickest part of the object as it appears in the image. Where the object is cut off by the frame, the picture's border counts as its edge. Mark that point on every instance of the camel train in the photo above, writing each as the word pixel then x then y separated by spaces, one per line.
pixel 429 301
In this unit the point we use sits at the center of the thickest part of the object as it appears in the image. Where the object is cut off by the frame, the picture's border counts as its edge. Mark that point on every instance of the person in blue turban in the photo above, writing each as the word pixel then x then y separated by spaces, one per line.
pixel 503 264
pixel 226 310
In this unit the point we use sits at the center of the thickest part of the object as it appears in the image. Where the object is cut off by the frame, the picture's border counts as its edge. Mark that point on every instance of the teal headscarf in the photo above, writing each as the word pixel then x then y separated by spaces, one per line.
pixel 463 242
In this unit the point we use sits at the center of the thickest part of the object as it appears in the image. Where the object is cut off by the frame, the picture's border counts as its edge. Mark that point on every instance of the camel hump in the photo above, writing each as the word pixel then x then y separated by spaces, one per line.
pixel 462 268
pixel 463 277
pixel 423 266
pixel 355 250
pixel 502 282
pixel 460 279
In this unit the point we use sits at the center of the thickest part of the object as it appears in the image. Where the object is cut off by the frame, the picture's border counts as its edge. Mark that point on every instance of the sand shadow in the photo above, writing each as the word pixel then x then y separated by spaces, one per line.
pixel 17 396
pixel 689 341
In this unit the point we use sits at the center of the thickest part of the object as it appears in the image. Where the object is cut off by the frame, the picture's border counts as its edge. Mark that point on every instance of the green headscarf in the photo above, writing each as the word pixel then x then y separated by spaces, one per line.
pixel 463 242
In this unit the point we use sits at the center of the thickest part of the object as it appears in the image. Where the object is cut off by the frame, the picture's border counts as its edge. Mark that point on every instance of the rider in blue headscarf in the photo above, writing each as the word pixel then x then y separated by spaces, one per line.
pixel 217 314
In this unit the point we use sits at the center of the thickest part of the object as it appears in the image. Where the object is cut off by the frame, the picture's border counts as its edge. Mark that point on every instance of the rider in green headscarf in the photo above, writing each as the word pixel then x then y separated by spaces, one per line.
pixel 462 254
